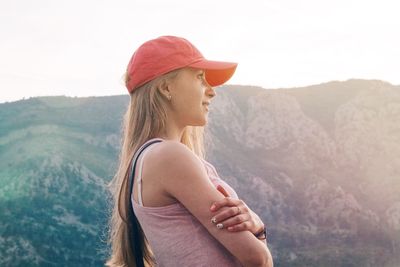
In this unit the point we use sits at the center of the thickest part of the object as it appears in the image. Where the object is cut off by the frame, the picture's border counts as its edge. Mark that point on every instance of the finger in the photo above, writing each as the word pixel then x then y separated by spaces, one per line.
pixel 221 189
pixel 227 201
pixel 228 213
pixel 244 226
pixel 235 220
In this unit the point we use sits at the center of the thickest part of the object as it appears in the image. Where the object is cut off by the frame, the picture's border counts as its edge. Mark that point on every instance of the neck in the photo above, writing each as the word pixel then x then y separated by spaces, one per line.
pixel 172 132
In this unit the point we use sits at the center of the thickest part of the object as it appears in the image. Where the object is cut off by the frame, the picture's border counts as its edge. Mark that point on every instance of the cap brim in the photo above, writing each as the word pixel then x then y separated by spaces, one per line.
pixel 216 72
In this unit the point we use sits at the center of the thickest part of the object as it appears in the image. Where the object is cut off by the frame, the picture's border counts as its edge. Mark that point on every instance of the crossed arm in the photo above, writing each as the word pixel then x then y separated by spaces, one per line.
pixel 237 216
pixel 183 174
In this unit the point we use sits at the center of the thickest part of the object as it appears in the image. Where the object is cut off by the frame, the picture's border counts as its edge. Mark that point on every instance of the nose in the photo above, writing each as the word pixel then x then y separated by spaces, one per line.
pixel 210 91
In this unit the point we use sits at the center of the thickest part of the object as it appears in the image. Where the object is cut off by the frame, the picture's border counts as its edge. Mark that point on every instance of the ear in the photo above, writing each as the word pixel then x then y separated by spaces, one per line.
pixel 164 88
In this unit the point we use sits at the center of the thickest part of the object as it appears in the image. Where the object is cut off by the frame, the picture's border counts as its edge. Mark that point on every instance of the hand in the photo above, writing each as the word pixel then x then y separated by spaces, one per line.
pixel 238 217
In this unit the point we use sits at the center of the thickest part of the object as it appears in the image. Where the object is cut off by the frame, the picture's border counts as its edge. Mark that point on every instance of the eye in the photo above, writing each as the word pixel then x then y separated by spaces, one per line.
pixel 202 77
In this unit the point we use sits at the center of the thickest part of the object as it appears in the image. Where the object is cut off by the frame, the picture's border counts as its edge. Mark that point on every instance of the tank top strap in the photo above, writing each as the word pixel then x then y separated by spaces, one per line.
pixel 139 178
pixel 142 149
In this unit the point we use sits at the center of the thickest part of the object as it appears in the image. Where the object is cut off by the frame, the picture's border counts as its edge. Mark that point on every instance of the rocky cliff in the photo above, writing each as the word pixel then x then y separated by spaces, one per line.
pixel 319 164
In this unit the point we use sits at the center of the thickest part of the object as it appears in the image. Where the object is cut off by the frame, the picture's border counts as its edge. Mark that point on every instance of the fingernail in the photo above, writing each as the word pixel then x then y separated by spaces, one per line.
pixel 213 207
pixel 213 220
pixel 230 228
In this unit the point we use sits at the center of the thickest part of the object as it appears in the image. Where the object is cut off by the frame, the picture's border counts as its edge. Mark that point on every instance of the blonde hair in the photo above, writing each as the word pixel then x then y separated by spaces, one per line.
pixel 144 119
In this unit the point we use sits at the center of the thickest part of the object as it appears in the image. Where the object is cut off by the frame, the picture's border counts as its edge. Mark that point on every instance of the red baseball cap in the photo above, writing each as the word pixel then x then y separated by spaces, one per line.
pixel 167 53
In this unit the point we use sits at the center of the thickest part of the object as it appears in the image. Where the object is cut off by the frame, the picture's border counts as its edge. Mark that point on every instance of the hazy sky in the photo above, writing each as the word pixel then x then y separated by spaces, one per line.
pixel 82 47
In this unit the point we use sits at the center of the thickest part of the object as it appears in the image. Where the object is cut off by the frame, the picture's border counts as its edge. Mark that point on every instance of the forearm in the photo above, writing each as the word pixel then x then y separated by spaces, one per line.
pixel 270 262
pixel 260 257
pixel 261 235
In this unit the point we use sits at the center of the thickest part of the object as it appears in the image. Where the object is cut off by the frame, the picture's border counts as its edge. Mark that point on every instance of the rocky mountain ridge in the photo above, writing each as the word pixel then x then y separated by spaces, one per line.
pixel 319 164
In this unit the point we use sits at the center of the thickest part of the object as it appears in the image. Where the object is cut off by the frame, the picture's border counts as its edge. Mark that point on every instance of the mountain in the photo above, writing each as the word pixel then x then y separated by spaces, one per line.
pixel 57 155
pixel 319 164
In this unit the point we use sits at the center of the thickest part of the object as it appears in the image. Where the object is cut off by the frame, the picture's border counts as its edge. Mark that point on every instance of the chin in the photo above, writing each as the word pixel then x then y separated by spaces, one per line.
pixel 200 122
pixel 205 120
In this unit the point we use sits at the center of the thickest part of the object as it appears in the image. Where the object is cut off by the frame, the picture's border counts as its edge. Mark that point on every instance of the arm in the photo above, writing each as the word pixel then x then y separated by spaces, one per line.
pixel 239 217
pixel 181 172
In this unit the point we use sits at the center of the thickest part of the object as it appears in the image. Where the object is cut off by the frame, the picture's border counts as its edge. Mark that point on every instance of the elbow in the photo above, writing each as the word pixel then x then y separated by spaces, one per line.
pixel 260 260
pixel 266 262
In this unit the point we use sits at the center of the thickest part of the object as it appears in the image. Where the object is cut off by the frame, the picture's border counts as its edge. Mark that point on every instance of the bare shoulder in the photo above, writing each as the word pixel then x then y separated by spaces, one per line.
pixel 168 147
pixel 171 158
pixel 176 168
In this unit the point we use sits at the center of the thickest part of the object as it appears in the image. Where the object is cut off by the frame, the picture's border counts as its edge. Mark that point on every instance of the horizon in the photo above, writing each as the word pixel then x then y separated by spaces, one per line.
pixel 239 85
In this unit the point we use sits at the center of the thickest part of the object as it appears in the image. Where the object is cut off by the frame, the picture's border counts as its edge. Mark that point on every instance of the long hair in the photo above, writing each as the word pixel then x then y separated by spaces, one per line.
pixel 144 119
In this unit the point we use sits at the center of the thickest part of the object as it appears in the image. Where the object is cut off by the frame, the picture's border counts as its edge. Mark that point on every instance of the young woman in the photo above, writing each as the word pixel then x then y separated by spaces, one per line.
pixel 170 206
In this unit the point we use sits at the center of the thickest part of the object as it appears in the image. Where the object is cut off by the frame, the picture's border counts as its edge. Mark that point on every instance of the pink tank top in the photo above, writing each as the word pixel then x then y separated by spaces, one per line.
pixel 176 237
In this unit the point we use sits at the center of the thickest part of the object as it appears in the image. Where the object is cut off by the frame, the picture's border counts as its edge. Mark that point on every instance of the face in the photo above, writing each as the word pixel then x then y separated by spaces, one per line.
pixel 189 91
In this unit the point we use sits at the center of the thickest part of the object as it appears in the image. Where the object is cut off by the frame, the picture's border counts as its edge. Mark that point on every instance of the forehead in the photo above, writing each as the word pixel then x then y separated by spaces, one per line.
pixel 188 72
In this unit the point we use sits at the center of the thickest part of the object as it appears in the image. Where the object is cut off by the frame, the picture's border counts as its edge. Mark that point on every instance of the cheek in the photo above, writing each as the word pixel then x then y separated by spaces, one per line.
pixel 186 104
pixel 192 105
pixel 192 98
pixel 189 97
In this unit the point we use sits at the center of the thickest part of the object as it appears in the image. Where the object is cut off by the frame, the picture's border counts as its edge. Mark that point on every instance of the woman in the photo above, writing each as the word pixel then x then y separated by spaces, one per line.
pixel 164 190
